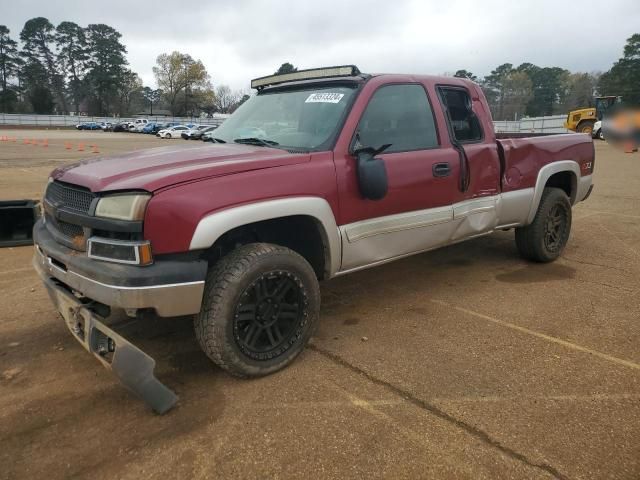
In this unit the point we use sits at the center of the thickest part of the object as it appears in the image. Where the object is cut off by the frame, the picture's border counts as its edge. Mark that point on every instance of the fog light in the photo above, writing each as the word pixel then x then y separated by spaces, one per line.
pixel 120 251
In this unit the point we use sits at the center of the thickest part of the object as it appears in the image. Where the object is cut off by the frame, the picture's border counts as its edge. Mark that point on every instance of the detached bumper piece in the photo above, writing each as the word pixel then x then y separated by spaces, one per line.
pixel 132 366
pixel 17 218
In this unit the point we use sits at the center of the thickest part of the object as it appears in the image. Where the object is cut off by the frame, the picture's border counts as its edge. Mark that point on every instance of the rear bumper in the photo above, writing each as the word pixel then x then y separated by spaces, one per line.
pixel 170 287
pixel 130 365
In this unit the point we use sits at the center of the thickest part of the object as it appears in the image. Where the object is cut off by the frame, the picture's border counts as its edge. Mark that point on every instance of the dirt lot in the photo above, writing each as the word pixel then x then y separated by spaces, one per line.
pixel 462 363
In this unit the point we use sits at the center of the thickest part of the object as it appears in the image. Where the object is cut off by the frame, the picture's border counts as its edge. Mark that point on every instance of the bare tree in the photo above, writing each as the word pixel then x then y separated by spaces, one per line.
pixel 226 99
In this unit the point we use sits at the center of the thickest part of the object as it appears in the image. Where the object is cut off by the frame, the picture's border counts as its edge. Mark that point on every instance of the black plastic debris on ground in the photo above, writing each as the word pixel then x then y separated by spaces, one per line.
pixel 17 218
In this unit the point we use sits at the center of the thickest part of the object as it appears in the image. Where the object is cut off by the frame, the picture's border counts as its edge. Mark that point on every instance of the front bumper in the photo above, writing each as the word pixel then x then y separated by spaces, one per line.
pixel 170 287
pixel 130 365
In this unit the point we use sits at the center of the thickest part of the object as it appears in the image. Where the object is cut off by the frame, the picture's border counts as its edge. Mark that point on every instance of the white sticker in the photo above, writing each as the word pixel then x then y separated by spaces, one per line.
pixel 324 97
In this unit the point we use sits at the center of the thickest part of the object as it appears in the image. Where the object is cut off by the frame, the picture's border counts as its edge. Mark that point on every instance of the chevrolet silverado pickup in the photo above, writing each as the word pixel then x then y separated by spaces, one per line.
pixel 321 173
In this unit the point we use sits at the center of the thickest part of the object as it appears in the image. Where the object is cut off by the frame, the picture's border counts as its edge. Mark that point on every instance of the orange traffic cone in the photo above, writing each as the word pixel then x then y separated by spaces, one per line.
pixel 95 149
pixel 34 142
pixel 26 141
pixel 81 147
pixel 68 145
pixel 3 139
pixel 45 142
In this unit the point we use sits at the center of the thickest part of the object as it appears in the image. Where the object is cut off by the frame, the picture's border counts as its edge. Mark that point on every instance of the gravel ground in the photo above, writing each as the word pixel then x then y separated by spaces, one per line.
pixel 462 363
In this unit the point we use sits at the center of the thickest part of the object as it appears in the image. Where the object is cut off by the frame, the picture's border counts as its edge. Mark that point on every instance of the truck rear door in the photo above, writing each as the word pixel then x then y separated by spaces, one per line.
pixel 477 196
pixel 473 140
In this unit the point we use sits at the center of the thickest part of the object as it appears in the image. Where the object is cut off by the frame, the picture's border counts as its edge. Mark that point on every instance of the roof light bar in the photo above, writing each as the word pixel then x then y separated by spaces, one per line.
pixel 312 73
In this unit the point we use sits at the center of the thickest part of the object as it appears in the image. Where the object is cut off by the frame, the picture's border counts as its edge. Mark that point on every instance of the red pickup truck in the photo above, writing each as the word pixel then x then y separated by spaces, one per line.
pixel 321 173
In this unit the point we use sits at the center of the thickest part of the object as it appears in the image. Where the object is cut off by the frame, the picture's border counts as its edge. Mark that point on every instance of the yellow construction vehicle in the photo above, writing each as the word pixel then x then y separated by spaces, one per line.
pixel 582 120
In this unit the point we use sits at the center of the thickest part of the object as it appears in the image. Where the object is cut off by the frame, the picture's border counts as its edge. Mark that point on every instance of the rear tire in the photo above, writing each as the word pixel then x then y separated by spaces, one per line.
pixel 545 238
pixel 260 307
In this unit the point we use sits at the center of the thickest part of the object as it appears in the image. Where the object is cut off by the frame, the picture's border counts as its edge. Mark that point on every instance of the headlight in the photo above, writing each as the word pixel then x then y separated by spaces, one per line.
pixel 120 251
pixel 123 207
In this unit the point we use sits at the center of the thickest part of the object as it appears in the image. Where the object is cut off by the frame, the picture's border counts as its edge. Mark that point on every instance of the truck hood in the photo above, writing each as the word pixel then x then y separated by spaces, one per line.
pixel 161 167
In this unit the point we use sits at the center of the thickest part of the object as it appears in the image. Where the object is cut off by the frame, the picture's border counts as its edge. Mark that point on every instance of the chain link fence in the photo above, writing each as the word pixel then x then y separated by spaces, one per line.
pixel 550 124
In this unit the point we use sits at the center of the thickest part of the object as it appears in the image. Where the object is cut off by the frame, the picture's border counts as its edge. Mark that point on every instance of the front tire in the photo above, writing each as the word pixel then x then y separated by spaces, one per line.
pixel 545 238
pixel 260 307
pixel 586 127
pixel 168 135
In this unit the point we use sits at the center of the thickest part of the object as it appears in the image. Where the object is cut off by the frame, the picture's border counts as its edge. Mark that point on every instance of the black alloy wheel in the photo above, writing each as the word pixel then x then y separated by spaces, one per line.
pixel 546 237
pixel 554 228
pixel 260 307
pixel 271 312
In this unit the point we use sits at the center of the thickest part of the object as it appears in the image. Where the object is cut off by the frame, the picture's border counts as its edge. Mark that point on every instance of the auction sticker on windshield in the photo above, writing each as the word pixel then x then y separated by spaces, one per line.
pixel 325 97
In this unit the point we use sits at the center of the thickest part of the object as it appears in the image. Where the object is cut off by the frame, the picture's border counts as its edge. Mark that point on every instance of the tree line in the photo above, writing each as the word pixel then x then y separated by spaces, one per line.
pixel 57 68
pixel 532 91
pixel 71 68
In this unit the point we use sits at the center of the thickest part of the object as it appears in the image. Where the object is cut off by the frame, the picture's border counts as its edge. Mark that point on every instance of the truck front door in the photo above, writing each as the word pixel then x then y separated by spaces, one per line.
pixel 422 176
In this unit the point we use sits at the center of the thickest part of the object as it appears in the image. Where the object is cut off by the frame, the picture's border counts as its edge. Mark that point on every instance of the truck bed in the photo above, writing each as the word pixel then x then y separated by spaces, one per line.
pixel 522 157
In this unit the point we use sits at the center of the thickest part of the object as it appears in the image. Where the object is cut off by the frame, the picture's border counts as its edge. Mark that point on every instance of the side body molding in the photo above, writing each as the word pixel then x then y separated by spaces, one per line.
pixel 543 176
pixel 213 226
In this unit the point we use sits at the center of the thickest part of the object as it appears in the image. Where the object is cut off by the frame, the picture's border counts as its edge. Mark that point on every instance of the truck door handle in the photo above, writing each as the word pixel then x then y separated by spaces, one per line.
pixel 441 169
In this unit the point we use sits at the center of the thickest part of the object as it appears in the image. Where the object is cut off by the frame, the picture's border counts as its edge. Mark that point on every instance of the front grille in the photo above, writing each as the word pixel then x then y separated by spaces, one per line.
pixel 70 230
pixel 72 198
pixel 69 234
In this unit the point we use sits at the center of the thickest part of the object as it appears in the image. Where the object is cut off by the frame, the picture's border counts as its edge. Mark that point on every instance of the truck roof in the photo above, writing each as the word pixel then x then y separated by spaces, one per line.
pixel 344 73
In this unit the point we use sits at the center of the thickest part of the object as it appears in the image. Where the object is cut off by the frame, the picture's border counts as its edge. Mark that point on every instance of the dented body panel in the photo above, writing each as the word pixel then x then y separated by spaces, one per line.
pixel 524 157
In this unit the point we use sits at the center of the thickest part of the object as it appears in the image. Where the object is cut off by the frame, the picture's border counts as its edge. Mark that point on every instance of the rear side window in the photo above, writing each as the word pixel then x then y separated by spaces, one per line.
pixel 464 124
pixel 399 115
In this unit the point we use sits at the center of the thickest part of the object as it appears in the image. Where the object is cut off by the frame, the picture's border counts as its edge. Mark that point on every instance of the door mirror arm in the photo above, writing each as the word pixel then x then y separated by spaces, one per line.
pixel 372 151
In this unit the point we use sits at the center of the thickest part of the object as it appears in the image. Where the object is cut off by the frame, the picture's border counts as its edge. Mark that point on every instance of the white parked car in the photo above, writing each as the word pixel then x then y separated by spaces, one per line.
pixel 138 124
pixel 172 132
pixel 597 130
pixel 194 132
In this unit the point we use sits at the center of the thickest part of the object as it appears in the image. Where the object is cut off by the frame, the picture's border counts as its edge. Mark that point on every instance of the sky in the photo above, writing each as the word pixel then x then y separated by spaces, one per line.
pixel 242 39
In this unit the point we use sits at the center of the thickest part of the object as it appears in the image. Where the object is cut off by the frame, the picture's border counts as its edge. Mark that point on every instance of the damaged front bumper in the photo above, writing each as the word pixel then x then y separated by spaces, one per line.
pixel 84 291
pixel 170 287
pixel 130 365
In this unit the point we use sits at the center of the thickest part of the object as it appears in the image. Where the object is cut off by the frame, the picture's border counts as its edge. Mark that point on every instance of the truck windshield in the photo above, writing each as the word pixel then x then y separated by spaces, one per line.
pixel 304 119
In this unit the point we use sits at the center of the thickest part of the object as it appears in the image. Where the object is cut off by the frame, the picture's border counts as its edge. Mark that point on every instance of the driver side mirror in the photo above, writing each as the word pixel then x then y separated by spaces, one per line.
pixel 372 172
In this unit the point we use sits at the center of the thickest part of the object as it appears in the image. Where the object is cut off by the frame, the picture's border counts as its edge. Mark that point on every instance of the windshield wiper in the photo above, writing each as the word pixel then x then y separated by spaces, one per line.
pixel 256 141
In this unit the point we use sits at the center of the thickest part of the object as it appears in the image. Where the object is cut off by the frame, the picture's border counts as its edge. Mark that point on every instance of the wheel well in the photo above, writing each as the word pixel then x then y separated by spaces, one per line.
pixel 566 181
pixel 301 233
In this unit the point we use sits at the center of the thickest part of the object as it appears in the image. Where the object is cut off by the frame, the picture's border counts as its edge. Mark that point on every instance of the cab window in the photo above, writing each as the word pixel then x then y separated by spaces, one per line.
pixel 464 124
pixel 399 115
